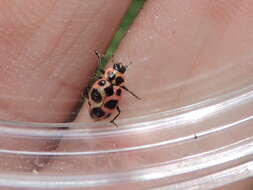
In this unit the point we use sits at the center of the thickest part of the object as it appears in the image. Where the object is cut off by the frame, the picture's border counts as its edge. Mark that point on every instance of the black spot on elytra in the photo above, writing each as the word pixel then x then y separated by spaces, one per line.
pixel 111 104
pixel 96 96
pixel 109 90
pixel 97 112
pixel 119 80
pixel 101 82
pixel 118 92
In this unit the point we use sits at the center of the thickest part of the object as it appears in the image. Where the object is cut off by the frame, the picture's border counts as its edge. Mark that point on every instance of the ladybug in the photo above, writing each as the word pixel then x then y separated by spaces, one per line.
pixel 104 95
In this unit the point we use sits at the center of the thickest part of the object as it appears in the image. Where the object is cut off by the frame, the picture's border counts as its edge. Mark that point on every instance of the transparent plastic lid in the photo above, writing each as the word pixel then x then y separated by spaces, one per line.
pixel 192 128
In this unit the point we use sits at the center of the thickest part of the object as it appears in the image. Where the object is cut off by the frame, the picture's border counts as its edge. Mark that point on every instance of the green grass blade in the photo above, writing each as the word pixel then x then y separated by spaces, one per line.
pixel 128 20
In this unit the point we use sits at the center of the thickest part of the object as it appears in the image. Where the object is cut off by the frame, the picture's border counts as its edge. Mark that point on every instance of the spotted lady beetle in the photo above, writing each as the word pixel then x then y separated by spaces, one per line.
pixel 104 95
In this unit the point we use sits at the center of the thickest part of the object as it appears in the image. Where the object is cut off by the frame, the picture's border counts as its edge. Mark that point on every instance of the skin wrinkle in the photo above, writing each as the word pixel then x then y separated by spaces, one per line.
pixel 56 44
pixel 51 52
pixel 76 38
pixel 74 41
pixel 17 22
pixel 33 13
pixel 45 83
pixel 51 75
pixel 224 12
pixel 23 56
pixel 5 106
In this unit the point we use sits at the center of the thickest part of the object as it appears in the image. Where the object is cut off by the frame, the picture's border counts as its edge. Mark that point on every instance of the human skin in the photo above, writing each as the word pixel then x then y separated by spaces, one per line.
pixel 47 57
pixel 174 40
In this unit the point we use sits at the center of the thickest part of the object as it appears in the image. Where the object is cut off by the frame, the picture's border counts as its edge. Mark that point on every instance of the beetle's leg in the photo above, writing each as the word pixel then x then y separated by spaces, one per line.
pixel 85 93
pixel 126 89
pixel 95 77
pixel 112 58
pixel 102 71
pixel 112 121
pixel 99 61
pixel 99 57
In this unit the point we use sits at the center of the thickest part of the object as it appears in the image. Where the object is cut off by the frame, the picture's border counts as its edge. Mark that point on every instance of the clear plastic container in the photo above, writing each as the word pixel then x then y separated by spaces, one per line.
pixel 192 128
pixel 204 142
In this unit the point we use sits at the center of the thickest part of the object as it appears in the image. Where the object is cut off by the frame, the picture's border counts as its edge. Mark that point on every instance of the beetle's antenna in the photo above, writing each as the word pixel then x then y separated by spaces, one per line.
pixel 130 63
pixel 126 89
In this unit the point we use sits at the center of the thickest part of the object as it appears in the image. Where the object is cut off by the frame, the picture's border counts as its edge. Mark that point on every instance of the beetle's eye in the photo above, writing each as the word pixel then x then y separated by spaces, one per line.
pixel 116 66
pixel 119 67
